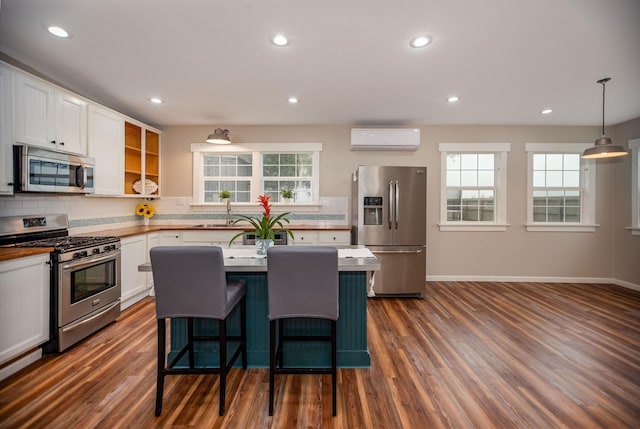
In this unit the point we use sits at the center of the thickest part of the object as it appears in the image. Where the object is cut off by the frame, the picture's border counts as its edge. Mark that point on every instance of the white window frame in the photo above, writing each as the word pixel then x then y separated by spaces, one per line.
pixel 634 147
pixel 587 186
pixel 500 215
pixel 256 149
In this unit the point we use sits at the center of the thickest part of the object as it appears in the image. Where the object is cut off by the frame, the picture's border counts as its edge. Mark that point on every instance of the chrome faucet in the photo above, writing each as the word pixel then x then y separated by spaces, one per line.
pixel 228 222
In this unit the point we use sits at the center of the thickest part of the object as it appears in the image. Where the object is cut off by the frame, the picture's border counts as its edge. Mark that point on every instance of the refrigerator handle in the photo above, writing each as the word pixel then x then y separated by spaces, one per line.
pixel 390 206
pixel 396 203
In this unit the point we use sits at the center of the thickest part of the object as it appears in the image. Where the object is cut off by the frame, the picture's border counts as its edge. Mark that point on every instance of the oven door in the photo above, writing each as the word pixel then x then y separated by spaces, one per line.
pixel 87 285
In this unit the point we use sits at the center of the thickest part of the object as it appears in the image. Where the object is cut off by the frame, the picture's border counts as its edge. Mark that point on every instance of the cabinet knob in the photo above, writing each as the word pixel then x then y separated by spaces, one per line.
pixel 53 142
pixel 61 143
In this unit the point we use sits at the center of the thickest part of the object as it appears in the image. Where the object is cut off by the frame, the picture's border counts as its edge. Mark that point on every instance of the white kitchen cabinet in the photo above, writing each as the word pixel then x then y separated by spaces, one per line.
pixel 48 116
pixel 307 238
pixel 6 131
pixel 209 238
pixel 169 238
pixel 106 146
pixel 134 284
pixel 334 237
pixel 24 305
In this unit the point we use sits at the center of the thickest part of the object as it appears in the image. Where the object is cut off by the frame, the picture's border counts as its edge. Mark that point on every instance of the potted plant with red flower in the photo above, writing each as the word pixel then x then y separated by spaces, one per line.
pixel 265 226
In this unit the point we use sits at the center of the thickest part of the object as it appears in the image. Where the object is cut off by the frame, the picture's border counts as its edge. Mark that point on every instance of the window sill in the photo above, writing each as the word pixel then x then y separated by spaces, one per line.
pixel 561 227
pixel 635 230
pixel 473 226
pixel 234 206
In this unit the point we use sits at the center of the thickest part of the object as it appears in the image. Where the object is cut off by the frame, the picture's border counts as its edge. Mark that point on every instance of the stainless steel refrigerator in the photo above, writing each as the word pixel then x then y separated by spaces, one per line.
pixel 388 215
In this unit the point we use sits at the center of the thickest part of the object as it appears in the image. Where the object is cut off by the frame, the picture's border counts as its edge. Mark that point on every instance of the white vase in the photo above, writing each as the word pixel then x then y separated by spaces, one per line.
pixel 145 221
pixel 262 245
pixel 286 200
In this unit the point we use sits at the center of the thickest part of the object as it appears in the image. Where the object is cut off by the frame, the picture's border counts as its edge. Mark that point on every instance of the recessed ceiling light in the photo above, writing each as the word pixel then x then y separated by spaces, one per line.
pixel 293 100
pixel 58 31
pixel 155 100
pixel 546 111
pixel 453 99
pixel 420 41
pixel 280 40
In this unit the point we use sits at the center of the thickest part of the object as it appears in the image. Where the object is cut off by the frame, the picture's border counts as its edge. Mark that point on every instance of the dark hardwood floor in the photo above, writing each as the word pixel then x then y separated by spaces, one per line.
pixel 470 355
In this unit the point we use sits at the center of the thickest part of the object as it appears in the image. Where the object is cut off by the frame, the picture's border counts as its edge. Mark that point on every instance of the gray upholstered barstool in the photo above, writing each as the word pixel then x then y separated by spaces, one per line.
pixel 190 282
pixel 302 283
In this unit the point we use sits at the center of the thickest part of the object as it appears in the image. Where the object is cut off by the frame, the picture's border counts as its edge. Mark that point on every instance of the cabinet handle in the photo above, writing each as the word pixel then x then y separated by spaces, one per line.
pixel 53 142
pixel 61 143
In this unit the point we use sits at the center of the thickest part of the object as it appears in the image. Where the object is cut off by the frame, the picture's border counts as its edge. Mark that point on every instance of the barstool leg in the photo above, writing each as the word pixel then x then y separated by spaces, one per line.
pixel 334 371
pixel 161 364
pixel 222 326
pixel 272 363
pixel 243 330
pixel 190 342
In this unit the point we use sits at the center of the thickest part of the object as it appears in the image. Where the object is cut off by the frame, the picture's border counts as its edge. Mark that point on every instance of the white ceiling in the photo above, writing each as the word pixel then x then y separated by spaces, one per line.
pixel 349 61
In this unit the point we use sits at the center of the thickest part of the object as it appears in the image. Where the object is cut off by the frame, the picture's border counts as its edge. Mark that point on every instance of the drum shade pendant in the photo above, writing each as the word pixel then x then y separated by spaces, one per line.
pixel 219 136
pixel 604 147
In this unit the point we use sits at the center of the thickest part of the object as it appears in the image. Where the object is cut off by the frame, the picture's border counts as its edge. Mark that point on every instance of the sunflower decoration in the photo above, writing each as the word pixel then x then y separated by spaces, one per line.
pixel 145 209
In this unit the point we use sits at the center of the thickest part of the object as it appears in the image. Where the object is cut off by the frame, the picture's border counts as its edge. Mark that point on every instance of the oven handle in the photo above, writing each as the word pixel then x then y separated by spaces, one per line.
pixel 81 263
pixel 79 323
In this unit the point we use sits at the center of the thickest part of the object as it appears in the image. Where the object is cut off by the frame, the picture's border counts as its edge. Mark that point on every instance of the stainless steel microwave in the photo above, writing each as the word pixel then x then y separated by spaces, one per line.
pixel 41 170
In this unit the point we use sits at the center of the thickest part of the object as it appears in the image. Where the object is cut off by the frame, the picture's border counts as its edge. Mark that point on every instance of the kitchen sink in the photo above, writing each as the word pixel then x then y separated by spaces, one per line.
pixel 212 225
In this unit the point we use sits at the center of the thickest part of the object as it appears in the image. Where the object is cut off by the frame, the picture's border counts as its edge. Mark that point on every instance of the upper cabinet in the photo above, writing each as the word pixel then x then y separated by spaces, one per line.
pixel 141 160
pixel 6 132
pixel 48 116
pixel 106 146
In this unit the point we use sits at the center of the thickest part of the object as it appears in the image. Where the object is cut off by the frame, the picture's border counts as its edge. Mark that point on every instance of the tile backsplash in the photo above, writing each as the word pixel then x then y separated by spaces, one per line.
pixel 88 213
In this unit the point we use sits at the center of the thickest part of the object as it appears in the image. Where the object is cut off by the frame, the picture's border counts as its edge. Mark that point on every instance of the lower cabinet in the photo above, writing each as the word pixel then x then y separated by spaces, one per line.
pixel 135 285
pixel 24 308
pixel 210 238
pixel 307 238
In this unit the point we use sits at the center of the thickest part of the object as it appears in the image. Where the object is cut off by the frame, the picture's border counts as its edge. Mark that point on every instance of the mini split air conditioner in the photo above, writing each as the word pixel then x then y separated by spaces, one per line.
pixel 385 138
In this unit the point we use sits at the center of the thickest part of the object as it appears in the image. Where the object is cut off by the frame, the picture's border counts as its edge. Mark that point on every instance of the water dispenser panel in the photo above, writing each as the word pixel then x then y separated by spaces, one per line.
pixel 372 211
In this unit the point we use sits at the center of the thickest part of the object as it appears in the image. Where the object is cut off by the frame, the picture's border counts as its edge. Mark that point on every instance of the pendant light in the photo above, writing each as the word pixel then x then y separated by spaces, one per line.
pixel 604 147
pixel 219 136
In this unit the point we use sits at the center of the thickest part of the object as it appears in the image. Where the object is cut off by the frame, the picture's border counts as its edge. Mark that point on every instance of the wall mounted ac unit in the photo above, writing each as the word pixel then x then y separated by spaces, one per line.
pixel 385 138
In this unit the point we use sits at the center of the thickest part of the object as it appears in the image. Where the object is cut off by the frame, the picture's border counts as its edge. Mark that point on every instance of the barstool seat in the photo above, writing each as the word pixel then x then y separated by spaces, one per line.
pixel 190 282
pixel 302 283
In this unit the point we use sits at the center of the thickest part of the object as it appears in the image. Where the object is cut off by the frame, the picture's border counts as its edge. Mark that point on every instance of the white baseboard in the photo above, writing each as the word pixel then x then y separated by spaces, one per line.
pixel 20 363
pixel 521 279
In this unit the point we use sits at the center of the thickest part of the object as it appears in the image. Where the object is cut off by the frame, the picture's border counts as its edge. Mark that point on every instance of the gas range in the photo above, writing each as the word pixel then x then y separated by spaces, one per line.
pixel 69 248
pixel 85 284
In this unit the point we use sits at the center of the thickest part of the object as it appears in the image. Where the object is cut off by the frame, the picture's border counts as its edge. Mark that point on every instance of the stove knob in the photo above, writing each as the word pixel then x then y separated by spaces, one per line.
pixel 96 250
pixel 83 253
pixel 76 255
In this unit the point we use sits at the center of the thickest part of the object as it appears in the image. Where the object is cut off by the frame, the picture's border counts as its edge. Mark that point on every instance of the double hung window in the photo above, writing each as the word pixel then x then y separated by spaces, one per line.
pixel 634 146
pixel 248 171
pixel 473 186
pixel 561 188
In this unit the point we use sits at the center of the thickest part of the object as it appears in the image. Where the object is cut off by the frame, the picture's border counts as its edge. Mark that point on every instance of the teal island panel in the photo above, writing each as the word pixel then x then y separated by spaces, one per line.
pixel 353 351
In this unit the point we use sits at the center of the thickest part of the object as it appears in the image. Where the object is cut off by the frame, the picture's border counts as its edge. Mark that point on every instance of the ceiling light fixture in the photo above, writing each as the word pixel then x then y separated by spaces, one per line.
pixel 293 100
pixel 58 31
pixel 280 40
pixel 603 146
pixel 219 136
pixel 420 41
pixel 546 111
pixel 453 99
pixel 155 100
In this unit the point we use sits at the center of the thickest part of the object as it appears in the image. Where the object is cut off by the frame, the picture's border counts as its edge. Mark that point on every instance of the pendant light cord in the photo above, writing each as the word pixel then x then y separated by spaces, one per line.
pixel 603 82
pixel 603 85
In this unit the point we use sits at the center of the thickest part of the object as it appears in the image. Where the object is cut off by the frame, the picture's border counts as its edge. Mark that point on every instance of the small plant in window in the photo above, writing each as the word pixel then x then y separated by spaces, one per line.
pixel 287 193
pixel 224 194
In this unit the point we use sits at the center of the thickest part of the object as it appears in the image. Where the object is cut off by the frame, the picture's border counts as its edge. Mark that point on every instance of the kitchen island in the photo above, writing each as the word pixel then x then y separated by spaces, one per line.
pixel 355 271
